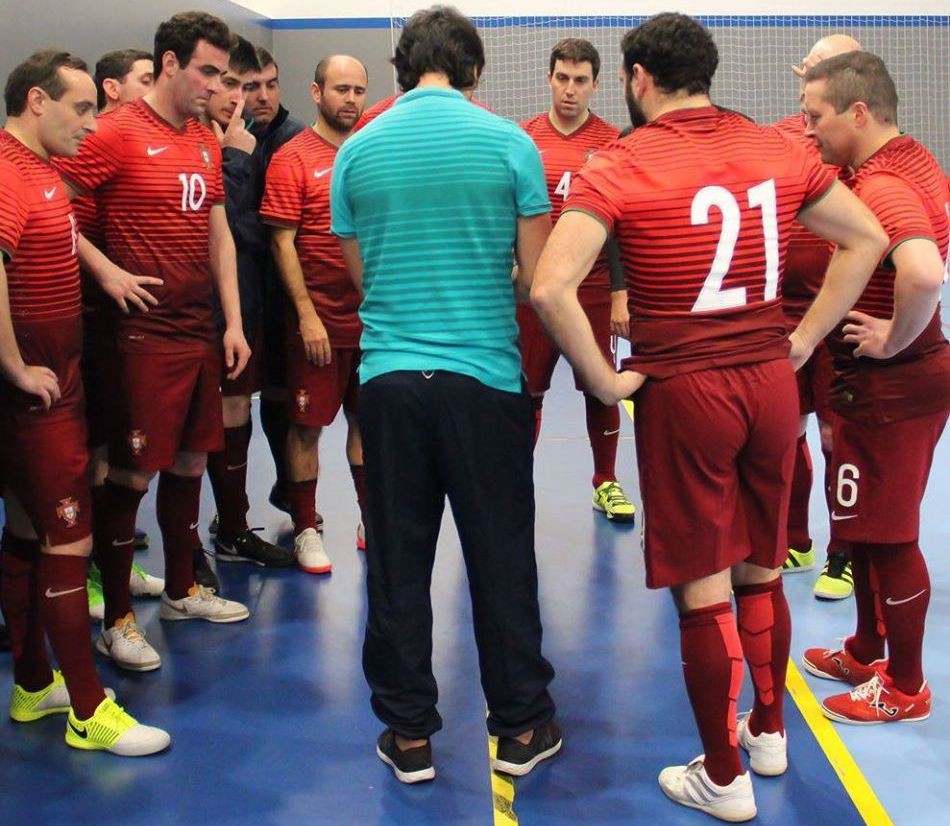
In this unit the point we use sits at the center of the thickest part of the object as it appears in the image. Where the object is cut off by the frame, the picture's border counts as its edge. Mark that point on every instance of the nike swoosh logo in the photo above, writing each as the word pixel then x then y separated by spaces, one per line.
pixel 319 173
pixel 156 150
pixel 836 518
pixel 78 732
pixel 890 601
pixel 49 193
pixel 117 544
pixel 192 526
pixel 51 594
pixel 236 467
pixel 611 432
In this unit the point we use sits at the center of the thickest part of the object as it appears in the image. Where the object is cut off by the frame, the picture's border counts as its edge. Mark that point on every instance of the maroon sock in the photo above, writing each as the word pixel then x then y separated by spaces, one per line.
pixel 177 506
pixel 116 546
pixel 603 430
pixel 798 536
pixel 359 482
pixel 303 504
pixel 19 598
pixel 227 470
pixel 712 667
pixel 903 595
pixel 65 610
pixel 765 628
pixel 867 644
pixel 538 402
pixel 98 494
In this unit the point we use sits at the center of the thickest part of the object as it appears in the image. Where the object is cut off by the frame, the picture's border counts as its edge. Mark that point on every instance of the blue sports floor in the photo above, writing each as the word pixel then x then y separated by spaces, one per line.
pixel 271 723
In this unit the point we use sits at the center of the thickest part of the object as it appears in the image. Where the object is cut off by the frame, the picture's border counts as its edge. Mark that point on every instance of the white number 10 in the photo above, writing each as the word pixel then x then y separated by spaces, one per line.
pixel 712 296
pixel 193 191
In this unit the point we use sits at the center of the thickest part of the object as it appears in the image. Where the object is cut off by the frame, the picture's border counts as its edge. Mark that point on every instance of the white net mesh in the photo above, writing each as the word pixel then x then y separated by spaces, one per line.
pixel 755 58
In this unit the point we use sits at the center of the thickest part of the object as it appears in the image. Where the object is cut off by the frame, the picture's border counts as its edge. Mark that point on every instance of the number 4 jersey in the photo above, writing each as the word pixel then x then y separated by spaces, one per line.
pixel 702 202
pixel 155 186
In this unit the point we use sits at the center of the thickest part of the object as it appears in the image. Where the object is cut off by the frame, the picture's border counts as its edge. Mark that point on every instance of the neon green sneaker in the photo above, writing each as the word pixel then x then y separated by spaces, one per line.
pixel 798 561
pixel 836 580
pixel 610 500
pixel 27 706
pixel 111 729
pixel 97 605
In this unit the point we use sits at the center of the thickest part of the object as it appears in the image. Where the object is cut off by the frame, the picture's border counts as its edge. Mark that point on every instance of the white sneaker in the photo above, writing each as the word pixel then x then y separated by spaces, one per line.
pixel 690 786
pixel 202 603
pixel 143 584
pixel 126 645
pixel 768 753
pixel 311 555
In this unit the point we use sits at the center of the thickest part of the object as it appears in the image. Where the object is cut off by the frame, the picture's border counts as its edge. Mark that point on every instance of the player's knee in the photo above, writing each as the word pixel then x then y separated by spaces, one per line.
pixel 134 479
pixel 81 547
pixel 302 437
pixel 236 410
pixel 189 464
pixel 825 431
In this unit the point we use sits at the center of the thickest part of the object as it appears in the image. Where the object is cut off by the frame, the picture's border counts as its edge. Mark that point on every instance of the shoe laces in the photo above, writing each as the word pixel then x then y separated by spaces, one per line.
pixel 869 692
pixel 130 633
pixel 205 594
pixel 613 493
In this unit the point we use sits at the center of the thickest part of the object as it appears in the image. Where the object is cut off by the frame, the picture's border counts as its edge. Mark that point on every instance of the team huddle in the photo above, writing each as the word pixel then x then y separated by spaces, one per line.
pixel 174 242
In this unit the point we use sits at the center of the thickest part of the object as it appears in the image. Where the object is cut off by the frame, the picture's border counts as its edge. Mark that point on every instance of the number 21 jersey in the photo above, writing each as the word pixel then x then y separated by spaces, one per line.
pixel 155 185
pixel 702 202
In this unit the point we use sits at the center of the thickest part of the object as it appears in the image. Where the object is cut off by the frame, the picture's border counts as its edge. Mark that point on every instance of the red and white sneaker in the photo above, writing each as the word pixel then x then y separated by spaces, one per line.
pixel 360 538
pixel 839 664
pixel 878 701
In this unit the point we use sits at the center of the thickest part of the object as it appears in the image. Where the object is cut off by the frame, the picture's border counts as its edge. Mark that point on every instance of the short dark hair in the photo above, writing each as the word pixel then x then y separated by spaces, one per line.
pixel 855 76
pixel 181 33
pixel 115 66
pixel 265 58
pixel 439 39
pixel 40 69
pixel 676 50
pixel 576 50
pixel 243 57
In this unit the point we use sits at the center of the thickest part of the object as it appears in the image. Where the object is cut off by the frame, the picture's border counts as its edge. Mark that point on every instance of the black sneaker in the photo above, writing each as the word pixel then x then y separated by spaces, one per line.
pixel 140 543
pixel 204 576
pixel 279 501
pixel 249 547
pixel 516 758
pixel 409 766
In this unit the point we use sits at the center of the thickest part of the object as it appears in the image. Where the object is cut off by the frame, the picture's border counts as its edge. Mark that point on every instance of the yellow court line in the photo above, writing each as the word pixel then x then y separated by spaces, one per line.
pixel 850 775
pixel 628 406
pixel 502 791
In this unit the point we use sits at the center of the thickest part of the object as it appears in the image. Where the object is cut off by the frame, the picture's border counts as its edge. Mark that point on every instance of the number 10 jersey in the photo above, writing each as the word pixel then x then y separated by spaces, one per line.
pixel 155 185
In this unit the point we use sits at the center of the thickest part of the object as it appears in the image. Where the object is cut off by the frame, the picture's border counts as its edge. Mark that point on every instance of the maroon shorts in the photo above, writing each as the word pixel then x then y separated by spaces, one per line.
pixel 316 394
pixel 539 354
pixel 45 458
pixel 100 382
pixel 880 475
pixel 251 379
pixel 169 402
pixel 814 384
pixel 715 451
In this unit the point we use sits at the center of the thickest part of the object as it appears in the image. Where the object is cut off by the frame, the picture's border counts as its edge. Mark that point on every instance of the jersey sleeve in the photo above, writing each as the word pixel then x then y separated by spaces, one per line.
pixel 597 190
pixel 898 207
pixel 343 224
pixel 283 191
pixel 99 159
pixel 531 188
pixel 14 210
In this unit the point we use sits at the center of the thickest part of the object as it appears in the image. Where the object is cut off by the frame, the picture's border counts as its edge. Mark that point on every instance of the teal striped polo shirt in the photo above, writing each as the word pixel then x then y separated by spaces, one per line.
pixel 432 190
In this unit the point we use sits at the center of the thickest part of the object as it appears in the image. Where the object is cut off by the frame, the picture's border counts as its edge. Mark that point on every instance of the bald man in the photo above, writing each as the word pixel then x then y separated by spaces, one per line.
pixel 805 265
pixel 323 328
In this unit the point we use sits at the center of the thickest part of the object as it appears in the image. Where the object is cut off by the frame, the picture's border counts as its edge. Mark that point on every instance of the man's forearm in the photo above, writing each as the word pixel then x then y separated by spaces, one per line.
pixel 915 302
pixel 291 273
pixel 224 270
pixel 11 361
pixel 94 260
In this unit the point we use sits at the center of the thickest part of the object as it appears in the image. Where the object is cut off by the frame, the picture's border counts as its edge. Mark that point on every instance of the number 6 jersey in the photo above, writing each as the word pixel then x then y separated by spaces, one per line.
pixel 155 185
pixel 701 202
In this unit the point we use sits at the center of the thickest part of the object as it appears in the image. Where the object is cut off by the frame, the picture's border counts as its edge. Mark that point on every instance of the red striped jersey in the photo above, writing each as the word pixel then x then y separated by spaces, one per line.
pixel 563 156
pixel 297 194
pixel 701 202
pixel 155 185
pixel 98 310
pixel 808 254
pixel 38 239
pixel 381 106
pixel 905 188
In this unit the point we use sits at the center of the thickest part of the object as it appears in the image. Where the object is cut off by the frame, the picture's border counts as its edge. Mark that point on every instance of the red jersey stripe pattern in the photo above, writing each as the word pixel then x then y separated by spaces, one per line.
pixel 702 202
pixel 297 194
pixel 155 186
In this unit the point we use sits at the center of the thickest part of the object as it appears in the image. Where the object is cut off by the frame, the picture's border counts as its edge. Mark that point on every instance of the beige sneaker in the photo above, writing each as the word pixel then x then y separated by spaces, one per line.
pixel 126 645
pixel 311 555
pixel 202 603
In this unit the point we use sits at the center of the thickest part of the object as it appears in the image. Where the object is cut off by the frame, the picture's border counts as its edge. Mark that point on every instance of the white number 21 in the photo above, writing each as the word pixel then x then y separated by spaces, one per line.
pixel 712 296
